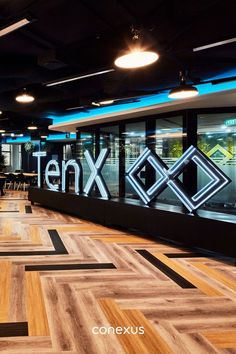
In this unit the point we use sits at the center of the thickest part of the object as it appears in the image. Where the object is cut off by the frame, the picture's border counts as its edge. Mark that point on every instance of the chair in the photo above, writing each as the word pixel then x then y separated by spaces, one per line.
pixel 11 181
pixel 22 182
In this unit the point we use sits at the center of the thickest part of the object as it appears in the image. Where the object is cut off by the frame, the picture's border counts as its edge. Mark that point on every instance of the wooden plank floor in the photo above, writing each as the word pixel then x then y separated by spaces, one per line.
pixel 61 277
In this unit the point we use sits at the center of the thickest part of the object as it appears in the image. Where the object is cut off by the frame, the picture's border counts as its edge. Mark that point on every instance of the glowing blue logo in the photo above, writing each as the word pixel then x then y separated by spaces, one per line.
pixel 169 177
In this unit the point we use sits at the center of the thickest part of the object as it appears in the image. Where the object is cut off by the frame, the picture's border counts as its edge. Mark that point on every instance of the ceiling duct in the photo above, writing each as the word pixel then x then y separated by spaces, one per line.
pixel 50 60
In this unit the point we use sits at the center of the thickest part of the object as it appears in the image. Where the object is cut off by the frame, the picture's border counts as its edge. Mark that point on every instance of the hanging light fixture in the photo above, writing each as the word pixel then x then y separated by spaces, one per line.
pixel 103 103
pixel 32 126
pixel 24 97
pixel 137 56
pixel 106 102
pixel 183 90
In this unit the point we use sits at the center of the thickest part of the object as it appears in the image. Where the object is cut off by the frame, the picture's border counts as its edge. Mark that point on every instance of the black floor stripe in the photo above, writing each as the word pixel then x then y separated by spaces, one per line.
pixel 177 278
pixel 56 241
pixel 28 209
pixel 185 255
pixel 9 211
pixel 42 267
pixel 3 199
pixel 14 329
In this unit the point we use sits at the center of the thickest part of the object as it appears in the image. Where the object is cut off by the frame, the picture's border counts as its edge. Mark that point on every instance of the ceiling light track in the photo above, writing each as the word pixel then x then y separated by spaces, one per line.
pixel 75 78
pixel 216 44
pixel 14 26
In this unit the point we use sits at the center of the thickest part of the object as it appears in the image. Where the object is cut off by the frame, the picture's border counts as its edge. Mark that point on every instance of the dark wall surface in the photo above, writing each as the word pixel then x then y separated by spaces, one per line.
pixel 191 230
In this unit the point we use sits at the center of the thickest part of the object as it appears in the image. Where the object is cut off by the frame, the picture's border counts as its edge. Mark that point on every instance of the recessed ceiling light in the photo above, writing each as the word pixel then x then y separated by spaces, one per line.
pixel 136 59
pixel 2 131
pixel 24 97
pixel 12 134
pixel 3 134
pixel 0 112
pixel 14 26
pixel 59 82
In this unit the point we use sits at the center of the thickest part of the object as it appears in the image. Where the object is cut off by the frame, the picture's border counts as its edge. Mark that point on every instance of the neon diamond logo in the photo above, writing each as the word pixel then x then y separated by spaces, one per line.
pixel 169 177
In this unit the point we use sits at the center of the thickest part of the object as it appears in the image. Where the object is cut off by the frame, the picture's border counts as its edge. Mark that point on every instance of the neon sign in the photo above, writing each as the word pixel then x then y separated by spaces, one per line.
pixel 230 122
pixel 95 177
pixel 168 177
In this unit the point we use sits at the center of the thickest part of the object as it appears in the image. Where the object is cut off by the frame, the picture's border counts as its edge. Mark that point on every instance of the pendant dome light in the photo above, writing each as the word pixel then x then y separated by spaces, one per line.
pixel 137 56
pixel 24 97
pixel 183 90
pixel 32 126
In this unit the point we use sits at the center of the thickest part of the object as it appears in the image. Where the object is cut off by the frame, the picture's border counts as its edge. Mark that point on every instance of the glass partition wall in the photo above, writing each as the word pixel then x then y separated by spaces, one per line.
pixel 169 147
pixel 217 139
pixel 109 138
pixel 86 141
pixel 135 143
pixel 168 135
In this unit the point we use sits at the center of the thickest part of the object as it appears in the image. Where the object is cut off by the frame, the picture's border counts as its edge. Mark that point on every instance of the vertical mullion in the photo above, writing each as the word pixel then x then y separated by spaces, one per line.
pixel 190 127
pixel 150 143
pixel 121 160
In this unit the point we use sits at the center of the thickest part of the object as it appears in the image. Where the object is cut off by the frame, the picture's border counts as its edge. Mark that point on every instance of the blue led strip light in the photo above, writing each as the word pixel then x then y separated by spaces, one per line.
pixel 169 177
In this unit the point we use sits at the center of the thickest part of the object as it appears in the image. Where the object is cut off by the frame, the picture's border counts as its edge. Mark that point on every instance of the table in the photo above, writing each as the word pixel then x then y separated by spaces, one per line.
pixel 19 178
pixel 26 174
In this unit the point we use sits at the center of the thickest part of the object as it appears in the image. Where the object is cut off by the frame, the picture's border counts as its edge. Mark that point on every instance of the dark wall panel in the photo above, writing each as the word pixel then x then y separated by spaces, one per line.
pixel 191 230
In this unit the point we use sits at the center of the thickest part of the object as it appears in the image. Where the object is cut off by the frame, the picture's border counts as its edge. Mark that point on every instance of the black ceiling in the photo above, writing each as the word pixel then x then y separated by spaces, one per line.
pixel 73 37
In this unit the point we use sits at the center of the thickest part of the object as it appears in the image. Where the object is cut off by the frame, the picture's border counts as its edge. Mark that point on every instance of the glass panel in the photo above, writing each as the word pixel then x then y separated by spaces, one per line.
pixel 217 139
pixel 6 151
pixel 7 156
pixel 68 152
pixel 109 138
pixel 6 147
pixel 86 142
pixel 169 147
pixel 135 143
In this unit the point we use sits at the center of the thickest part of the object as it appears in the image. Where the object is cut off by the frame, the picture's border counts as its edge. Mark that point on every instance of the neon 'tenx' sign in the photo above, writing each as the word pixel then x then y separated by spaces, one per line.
pixel 95 176
pixel 168 177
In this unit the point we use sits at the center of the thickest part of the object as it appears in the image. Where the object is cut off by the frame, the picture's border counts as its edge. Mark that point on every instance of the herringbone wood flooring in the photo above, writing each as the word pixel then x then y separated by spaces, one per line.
pixel 61 276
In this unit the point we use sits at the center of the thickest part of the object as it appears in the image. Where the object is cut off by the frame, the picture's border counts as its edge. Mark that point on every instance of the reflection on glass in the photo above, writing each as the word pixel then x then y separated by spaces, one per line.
pixel 135 143
pixel 169 147
pixel 217 139
pixel 86 142
pixel 68 151
pixel 109 138
pixel 6 152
